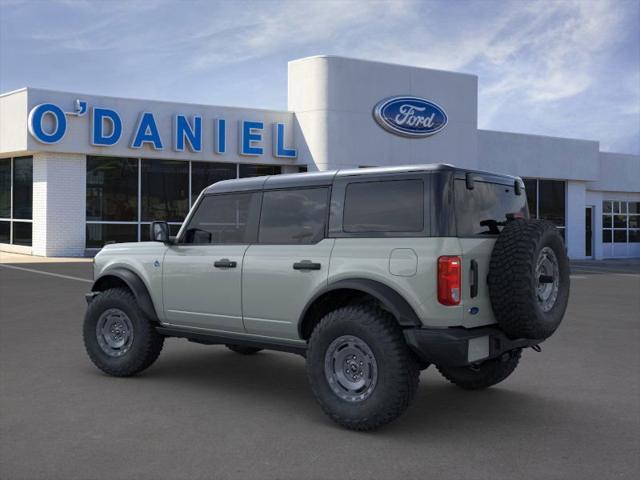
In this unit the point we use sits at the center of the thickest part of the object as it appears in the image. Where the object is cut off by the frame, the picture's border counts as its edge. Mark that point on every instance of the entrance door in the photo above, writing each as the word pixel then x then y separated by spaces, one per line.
pixel 588 232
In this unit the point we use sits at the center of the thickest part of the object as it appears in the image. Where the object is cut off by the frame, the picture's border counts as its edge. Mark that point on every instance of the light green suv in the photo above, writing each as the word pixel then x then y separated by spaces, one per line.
pixel 371 274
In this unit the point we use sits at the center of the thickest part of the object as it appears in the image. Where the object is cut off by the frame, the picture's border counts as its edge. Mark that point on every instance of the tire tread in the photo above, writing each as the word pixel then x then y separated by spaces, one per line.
pixel 384 327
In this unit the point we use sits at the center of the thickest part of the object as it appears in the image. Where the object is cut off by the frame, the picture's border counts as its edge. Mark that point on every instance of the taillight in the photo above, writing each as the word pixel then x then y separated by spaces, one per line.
pixel 449 280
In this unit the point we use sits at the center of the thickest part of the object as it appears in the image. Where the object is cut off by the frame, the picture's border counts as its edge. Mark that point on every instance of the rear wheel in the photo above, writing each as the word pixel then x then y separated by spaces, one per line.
pixel 242 349
pixel 120 340
pixel 484 375
pixel 360 369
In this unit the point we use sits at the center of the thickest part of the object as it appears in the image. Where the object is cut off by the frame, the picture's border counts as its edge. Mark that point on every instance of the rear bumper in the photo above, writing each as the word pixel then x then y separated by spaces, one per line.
pixel 456 347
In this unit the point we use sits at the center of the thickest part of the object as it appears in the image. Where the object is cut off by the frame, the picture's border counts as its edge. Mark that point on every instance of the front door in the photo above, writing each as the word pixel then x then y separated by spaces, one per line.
pixel 202 272
pixel 289 263
pixel 588 232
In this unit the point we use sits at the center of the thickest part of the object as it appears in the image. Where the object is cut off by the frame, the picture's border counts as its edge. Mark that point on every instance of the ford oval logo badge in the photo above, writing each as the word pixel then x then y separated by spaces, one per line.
pixel 410 116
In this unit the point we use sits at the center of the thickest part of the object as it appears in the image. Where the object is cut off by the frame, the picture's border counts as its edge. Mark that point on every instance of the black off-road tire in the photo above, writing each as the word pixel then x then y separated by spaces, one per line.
pixel 512 279
pixel 484 375
pixel 243 349
pixel 146 342
pixel 397 368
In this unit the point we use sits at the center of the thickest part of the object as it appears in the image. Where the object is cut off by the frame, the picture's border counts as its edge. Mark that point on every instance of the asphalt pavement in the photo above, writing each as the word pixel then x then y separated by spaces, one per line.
pixel 203 412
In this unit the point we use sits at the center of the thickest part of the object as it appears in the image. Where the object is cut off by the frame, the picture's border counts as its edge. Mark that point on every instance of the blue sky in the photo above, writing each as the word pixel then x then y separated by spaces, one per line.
pixel 564 68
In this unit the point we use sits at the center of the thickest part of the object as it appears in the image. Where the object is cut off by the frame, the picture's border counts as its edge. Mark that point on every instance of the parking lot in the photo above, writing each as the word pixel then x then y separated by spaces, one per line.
pixel 572 411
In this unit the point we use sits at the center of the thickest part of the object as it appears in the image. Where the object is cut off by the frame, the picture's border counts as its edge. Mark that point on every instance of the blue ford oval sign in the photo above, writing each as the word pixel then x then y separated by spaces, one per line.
pixel 410 116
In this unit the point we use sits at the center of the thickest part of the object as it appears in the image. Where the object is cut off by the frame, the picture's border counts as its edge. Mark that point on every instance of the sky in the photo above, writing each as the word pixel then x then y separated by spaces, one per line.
pixel 567 68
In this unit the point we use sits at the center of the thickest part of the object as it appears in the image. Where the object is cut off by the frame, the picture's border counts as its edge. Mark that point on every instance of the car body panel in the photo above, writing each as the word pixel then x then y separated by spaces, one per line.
pixel 370 258
pixel 198 294
pixel 274 293
pixel 477 310
pixel 142 258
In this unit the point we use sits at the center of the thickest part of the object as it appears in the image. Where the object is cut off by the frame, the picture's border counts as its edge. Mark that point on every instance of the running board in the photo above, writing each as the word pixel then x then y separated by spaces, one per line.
pixel 221 339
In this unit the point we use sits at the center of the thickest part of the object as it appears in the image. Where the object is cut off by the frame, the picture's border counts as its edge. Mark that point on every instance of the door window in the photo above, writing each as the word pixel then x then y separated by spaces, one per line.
pixel 224 219
pixel 295 216
pixel 387 206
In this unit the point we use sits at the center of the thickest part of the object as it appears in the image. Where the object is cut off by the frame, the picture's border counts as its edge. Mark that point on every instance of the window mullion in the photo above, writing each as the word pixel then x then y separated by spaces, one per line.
pixel 11 205
pixel 139 219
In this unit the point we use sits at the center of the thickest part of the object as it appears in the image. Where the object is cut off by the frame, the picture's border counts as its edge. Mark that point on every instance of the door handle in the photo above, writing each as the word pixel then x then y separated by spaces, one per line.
pixel 474 279
pixel 224 263
pixel 306 265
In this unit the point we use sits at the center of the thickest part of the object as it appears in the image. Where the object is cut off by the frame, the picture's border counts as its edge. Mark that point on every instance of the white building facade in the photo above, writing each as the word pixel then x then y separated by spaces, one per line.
pixel 77 171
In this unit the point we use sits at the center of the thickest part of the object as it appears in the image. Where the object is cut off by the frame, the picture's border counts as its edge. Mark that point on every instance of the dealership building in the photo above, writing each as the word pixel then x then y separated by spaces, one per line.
pixel 77 171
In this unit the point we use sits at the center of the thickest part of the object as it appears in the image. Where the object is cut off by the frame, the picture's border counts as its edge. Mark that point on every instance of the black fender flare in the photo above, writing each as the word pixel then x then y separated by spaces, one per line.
pixel 387 296
pixel 135 284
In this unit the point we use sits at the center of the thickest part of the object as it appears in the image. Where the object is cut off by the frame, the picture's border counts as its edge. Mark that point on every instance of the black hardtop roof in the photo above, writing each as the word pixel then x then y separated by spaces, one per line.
pixel 311 179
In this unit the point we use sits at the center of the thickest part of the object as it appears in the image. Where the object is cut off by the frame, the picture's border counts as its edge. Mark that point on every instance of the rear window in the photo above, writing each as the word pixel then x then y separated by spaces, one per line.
pixel 384 206
pixel 296 216
pixel 484 210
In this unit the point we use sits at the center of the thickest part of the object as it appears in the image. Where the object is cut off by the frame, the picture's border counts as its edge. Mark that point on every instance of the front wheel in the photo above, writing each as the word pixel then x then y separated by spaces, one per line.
pixel 360 369
pixel 119 339
pixel 485 375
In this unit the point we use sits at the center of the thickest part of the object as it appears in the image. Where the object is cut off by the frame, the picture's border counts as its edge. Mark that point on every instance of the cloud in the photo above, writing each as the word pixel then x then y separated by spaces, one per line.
pixel 551 56
pixel 289 25
pixel 544 66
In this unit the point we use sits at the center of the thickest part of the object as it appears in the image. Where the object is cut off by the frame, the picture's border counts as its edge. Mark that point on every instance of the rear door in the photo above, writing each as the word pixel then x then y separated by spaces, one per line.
pixel 480 215
pixel 289 263
pixel 202 273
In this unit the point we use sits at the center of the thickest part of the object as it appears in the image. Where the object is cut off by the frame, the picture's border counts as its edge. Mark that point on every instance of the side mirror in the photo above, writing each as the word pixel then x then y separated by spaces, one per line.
pixel 160 232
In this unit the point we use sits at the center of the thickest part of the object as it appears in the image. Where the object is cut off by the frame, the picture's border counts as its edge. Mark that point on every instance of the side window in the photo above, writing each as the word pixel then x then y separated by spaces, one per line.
pixel 296 216
pixel 384 206
pixel 224 219
pixel 483 210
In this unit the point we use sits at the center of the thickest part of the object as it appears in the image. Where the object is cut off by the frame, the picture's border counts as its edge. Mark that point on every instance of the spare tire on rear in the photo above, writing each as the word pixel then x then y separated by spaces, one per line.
pixel 529 279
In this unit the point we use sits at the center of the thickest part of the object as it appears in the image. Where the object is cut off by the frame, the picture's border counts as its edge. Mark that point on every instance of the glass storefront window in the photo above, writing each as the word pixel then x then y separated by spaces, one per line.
pixel 16 200
pixel 204 174
pixel 247 170
pixel 531 187
pixel 619 236
pixel 546 199
pixel 551 196
pixel 112 189
pixel 164 190
pixel 22 187
pixel 100 233
pixel 619 221
pixel 22 233
pixel 5 188
pixel 125 194
pixel 5 231
pixel 621 225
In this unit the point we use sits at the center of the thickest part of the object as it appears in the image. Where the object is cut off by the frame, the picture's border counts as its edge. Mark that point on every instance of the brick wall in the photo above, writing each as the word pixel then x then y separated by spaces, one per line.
pixel 59 204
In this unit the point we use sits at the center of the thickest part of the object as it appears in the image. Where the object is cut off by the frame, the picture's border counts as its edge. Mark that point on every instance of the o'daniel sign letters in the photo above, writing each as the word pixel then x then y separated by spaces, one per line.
pixel 107 129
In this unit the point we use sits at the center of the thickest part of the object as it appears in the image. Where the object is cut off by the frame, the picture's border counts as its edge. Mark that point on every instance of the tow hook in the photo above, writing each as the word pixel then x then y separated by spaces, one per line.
pixel 536 348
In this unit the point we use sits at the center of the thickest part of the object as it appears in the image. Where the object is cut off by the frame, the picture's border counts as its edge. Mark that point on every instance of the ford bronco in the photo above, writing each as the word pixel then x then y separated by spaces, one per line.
pixel 370 274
